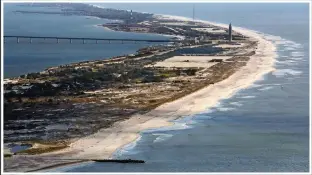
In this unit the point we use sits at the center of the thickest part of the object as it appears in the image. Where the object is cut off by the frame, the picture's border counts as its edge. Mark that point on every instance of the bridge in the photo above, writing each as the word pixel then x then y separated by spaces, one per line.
pixel 30 39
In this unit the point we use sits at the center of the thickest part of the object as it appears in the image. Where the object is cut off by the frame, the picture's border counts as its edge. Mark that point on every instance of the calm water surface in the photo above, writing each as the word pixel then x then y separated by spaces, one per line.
pixel 24 57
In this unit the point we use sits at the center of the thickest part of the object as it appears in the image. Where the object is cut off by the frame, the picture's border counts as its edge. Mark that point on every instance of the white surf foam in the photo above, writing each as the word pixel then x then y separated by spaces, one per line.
pixel 127 148
pixel 287 62
pixel 248 96
pixel 288 43
pixel 161 137
pixel 178 125
pixel 224 109
pixel 265 88
pixel 296 58
pixel 284 72
pixel 290 48
pixel 273 38
pixel 297 46
pixel 255 85
pixel 236 103
pixel 297 54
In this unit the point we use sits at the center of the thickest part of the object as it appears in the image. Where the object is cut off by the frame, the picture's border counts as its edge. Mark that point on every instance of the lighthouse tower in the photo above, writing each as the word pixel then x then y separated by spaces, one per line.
pixel 230 32
pixel 131 17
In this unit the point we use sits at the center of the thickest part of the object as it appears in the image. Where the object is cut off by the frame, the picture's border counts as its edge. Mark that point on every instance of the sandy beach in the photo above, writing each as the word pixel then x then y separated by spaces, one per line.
pixel 190 61
pixel 106 141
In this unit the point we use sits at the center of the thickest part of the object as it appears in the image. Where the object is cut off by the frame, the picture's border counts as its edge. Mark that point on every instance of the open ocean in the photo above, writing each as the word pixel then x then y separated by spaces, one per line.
pixel 264 128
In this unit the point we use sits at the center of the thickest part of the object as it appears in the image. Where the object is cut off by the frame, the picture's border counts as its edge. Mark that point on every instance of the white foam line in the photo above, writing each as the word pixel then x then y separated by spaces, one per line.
pixel 283 72
pixel 248 97
pixel 265 88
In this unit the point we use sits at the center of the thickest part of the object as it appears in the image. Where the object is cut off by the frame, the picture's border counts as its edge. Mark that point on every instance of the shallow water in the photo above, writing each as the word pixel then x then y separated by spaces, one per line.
pixel 19 147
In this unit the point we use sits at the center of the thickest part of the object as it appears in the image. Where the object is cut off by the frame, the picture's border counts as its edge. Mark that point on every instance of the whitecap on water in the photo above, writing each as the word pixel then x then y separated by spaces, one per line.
pixel 218 107
pixel 283 72
pixel 286 62
pixel 255 85
pixel 265 88
pixel 273 38
pixel 235 103
pixel 296 45
pixel 224 109
pixel 288 45
pixel 297 58
pixel 297 54
pixel 56 127
pixel 290 48
pixel 161 137
pixel 248 96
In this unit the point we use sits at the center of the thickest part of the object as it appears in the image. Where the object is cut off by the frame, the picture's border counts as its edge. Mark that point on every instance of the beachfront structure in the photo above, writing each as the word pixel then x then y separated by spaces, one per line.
pixel 230 32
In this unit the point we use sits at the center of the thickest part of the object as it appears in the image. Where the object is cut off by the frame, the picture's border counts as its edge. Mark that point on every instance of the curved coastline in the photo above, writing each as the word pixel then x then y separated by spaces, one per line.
pixel 106 142
pixel 265 49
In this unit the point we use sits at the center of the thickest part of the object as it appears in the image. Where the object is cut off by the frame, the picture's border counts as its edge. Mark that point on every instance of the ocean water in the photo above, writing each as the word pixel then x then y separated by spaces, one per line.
pixel 25 58
pixel 263 128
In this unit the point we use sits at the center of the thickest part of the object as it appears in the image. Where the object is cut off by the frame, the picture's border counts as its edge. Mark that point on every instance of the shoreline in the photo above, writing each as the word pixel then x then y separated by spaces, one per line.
pixel 128 131
pixel 156 34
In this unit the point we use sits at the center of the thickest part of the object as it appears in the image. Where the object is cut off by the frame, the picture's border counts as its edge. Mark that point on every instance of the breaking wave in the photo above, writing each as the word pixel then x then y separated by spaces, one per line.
pixel 127 148
pixel 224 109
pixel 265 88
pixel 236 103
pixel 248 96
pixel 161 137
pixel 287 62
pixel 284 72
pixel 297 54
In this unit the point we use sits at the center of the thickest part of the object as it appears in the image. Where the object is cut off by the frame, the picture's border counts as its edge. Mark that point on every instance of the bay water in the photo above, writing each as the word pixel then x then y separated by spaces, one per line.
pixel 23 57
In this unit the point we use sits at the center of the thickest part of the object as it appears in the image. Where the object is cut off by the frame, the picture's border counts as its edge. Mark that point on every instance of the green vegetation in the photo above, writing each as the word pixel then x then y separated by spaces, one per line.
pixel 41 150
pixel 7 155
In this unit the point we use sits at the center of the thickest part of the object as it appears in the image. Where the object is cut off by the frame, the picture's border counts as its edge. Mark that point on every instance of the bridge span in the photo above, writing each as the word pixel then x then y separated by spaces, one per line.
pixel 30 39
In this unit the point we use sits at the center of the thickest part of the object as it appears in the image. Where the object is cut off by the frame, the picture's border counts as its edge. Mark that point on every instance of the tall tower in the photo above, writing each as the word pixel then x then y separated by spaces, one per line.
pixel 131 17
pixel 230 32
